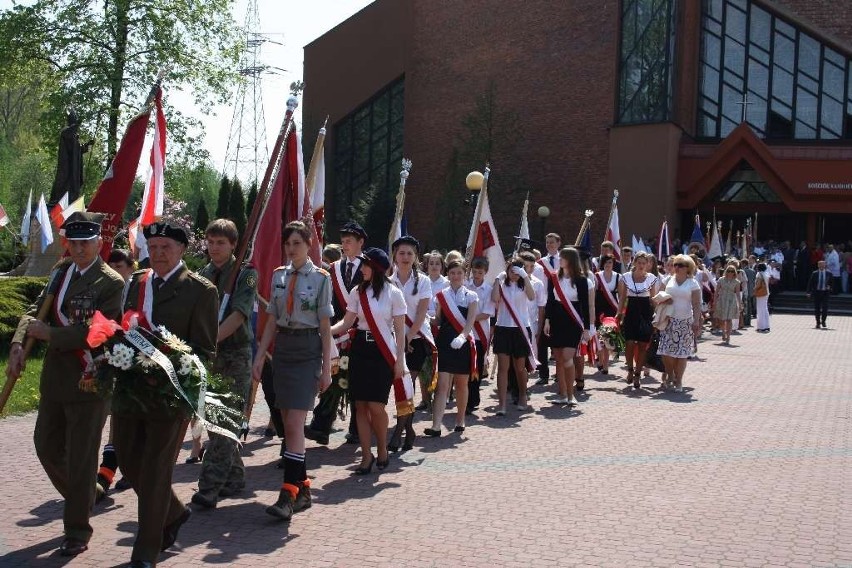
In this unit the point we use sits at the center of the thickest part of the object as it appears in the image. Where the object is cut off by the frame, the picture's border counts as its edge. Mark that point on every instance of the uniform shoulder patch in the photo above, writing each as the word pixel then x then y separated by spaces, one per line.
pixel 323 271
pixel 200 278
pixel 251 280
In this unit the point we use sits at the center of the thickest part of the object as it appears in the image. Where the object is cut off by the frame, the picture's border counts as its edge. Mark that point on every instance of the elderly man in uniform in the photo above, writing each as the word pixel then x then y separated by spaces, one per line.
pixel 187 305
pixel 345 275
pixel 70 415
pixel 222 471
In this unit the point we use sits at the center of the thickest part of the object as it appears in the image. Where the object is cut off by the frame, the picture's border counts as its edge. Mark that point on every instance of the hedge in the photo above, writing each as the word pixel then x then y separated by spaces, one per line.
pixel 17 294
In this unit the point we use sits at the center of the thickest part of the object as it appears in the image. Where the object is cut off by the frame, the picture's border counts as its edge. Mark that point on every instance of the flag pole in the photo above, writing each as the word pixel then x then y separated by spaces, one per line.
pixel 585 226
pixel 400 203
pixel 477 216
pixel 311 180
pixel 524 223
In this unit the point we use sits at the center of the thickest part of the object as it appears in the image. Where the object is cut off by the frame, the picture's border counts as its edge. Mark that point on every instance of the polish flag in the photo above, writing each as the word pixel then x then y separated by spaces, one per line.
pixel 152 200
pixel 483 239
pixel 56 216
pixel 76 206
pixel 612 232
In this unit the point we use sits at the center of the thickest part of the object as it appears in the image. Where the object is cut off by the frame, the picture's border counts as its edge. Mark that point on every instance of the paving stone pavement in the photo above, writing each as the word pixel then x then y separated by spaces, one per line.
pixel 752 466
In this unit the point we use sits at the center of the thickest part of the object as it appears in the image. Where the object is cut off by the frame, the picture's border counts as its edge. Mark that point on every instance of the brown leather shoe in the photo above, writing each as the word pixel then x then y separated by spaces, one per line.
pixel 72 547
pixel 170 531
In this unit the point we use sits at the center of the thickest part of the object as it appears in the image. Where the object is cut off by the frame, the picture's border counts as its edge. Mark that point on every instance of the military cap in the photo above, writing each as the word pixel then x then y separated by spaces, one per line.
pixel 406 240
pixel 525 244
pixel 166 230
pixel 376 258
pixel 353 228
pixel 82 226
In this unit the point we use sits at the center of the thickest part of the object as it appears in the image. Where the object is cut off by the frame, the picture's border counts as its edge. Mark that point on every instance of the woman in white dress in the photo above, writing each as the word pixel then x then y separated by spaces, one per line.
pixel 678 337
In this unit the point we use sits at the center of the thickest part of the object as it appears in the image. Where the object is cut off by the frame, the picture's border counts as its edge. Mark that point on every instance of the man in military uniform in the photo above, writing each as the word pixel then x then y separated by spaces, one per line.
pixel 222 471
pixel 68 428
pixel 187 305
pixel 345 275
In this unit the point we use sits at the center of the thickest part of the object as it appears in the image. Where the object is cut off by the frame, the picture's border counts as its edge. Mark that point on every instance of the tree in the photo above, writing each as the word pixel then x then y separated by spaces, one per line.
pixel 252 197
pixel 202 217
pixel 224 202
pixel 237 206
pixel 106 54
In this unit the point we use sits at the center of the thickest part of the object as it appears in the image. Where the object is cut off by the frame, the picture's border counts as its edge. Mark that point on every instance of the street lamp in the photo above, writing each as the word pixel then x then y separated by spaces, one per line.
pixel 543 214
pixel 473 182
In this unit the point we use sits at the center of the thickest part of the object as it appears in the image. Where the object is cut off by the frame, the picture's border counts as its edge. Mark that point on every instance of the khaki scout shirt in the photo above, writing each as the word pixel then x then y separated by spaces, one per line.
pixel 311 297
pixel 242 301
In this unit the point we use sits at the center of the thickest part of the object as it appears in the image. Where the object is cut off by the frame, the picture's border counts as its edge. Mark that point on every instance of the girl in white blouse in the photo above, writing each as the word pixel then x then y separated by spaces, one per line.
pixel 512 293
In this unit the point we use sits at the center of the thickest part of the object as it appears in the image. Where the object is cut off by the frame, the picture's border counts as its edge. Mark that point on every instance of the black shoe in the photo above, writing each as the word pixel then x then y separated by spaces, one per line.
pixel 823 325
pixel 364 470
pixel 396 438
pixel 206 498
pixel 580 384
pixel 541 382
pixel 432 433
pixel 72 547
pixel 269 433
pixel 140 564
pixel 283 508
pixel 170 531
pixel 458 429
pixel 122 484
pixel 382 465
pixel 604 371
pixel 303 498
pixel 352 438
pixel 320 438
pixel 422 406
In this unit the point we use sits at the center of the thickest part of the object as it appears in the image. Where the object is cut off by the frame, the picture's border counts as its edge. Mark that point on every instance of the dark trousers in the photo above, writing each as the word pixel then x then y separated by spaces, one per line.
pixel 473 386
pixel 821 305
pixel 146 451
pixel 269 397
pixel 543 367
pixel 748 303
pixel 67 440
pixel 323 418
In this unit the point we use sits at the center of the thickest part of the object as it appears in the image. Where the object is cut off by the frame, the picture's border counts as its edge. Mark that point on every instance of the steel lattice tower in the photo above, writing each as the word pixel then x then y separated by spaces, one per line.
pixel 247 151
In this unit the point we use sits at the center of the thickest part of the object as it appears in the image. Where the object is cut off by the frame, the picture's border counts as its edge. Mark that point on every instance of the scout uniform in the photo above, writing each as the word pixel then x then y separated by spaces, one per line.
pixel 68 427
pixel 301 298
pixel 223 467
pixel 187 305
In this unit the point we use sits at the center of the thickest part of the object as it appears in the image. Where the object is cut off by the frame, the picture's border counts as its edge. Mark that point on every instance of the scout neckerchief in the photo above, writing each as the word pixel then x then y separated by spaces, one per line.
pixel 426 334
pixel 606 291
pixel 451 311
pixel 84 356
pixel 403 387
pixel 559 291
pixel 532 361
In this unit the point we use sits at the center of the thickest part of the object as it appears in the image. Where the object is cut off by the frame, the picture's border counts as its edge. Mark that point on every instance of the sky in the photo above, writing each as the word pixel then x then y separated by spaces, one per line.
pixel 289 25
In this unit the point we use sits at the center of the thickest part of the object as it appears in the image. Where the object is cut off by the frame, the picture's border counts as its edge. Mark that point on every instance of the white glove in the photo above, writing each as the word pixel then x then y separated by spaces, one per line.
pixel 519 271
pixel 458 342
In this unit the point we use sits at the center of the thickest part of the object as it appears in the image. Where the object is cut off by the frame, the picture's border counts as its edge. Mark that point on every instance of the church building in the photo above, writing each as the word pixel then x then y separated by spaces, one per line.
pixel 738 107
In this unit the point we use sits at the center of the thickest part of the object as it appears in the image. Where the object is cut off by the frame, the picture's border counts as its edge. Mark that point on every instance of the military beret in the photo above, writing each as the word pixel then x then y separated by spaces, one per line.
pixel 406 240
pixel 82 226
pixel 376 258
pixel 353 228
pixel 166 230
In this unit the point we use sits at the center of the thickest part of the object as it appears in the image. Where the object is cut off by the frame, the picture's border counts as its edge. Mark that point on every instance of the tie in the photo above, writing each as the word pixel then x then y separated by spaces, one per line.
pixel 290 293
pixel 347 276
pixel 552 262
pixel 158 282
pixel 216 275
pixel 821 280
pixel 74 277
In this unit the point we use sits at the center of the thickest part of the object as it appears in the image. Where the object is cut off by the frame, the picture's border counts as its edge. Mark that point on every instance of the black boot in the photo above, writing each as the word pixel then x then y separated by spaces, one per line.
pixel 303 498
pixel 283 508
pixel 410 435
pixel 396 437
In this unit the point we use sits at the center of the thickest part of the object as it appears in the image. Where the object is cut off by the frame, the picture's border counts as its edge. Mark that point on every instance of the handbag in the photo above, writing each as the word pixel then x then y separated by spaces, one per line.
pixel 652 359
pixel 760 289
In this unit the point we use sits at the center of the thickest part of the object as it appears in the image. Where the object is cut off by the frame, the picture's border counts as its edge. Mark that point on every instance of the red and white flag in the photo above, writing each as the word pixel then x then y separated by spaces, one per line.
pixel 76 206
pixel 483 239
pixel 114 190
pixel 152 200
pixel 132 235
pixel 613 234
pixel 4 218
pixel 56 216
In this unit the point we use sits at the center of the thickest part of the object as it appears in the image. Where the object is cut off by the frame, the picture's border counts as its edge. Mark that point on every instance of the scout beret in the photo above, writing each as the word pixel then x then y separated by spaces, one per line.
pixel 166 230
pixel 376 258
pixel 353 228
pixel 406 240
pixel 82 226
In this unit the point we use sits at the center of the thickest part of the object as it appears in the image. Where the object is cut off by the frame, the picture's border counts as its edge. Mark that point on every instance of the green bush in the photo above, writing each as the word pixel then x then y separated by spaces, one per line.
pixel 16 296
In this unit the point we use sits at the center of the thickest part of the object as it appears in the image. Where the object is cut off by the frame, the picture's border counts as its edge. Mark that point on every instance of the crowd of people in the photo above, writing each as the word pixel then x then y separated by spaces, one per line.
pixel 373 317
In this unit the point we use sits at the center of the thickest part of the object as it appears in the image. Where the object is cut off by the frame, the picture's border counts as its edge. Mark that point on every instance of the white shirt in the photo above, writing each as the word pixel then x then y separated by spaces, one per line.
pixel 82 271
pixel 462 297
pixel 391 304
pixel 570 289
pixel 778 257
pixel 682 297
pixel 832 263
pixel 517 297
pixel 486 306
pixel 612 284
pixel 639 289
pixel 167 276
pixel 540 301
pixel 436 286
pixel 424 291
pixel 538 271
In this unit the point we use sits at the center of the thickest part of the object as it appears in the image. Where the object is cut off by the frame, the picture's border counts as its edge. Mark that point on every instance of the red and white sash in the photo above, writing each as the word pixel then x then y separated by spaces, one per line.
pixel 403 387
pixel 451 311
pixel 141 316
pixel 606 291
pixel 83 355
pixel 338 285
pixel 568 306
pixel 532 361
pixel 546 266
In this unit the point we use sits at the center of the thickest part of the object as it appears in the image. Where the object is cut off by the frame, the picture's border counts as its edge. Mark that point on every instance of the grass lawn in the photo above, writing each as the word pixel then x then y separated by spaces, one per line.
pixel 25 394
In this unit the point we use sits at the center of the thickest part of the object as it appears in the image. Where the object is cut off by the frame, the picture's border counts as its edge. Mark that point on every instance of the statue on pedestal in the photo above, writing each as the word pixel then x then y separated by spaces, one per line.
pixel 69 167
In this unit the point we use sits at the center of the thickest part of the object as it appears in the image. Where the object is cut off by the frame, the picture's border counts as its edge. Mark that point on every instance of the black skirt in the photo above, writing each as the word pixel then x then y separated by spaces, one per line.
pixel 637 320
pixel 603 309
pixel 510 341
pixel 455 361
pixel 370 377
pixel 564 331
pixel 415 358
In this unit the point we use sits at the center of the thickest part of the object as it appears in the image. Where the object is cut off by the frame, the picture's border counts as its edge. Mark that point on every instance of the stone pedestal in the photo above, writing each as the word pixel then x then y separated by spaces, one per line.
pixel 39 263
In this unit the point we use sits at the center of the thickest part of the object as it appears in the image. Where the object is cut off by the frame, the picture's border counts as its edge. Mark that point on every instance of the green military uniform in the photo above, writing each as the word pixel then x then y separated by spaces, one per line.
pixel 69 423
pixel 187 305
pixel 223 467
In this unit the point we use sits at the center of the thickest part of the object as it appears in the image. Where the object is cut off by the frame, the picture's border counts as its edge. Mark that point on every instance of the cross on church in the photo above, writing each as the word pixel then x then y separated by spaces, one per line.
pixel 744 103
